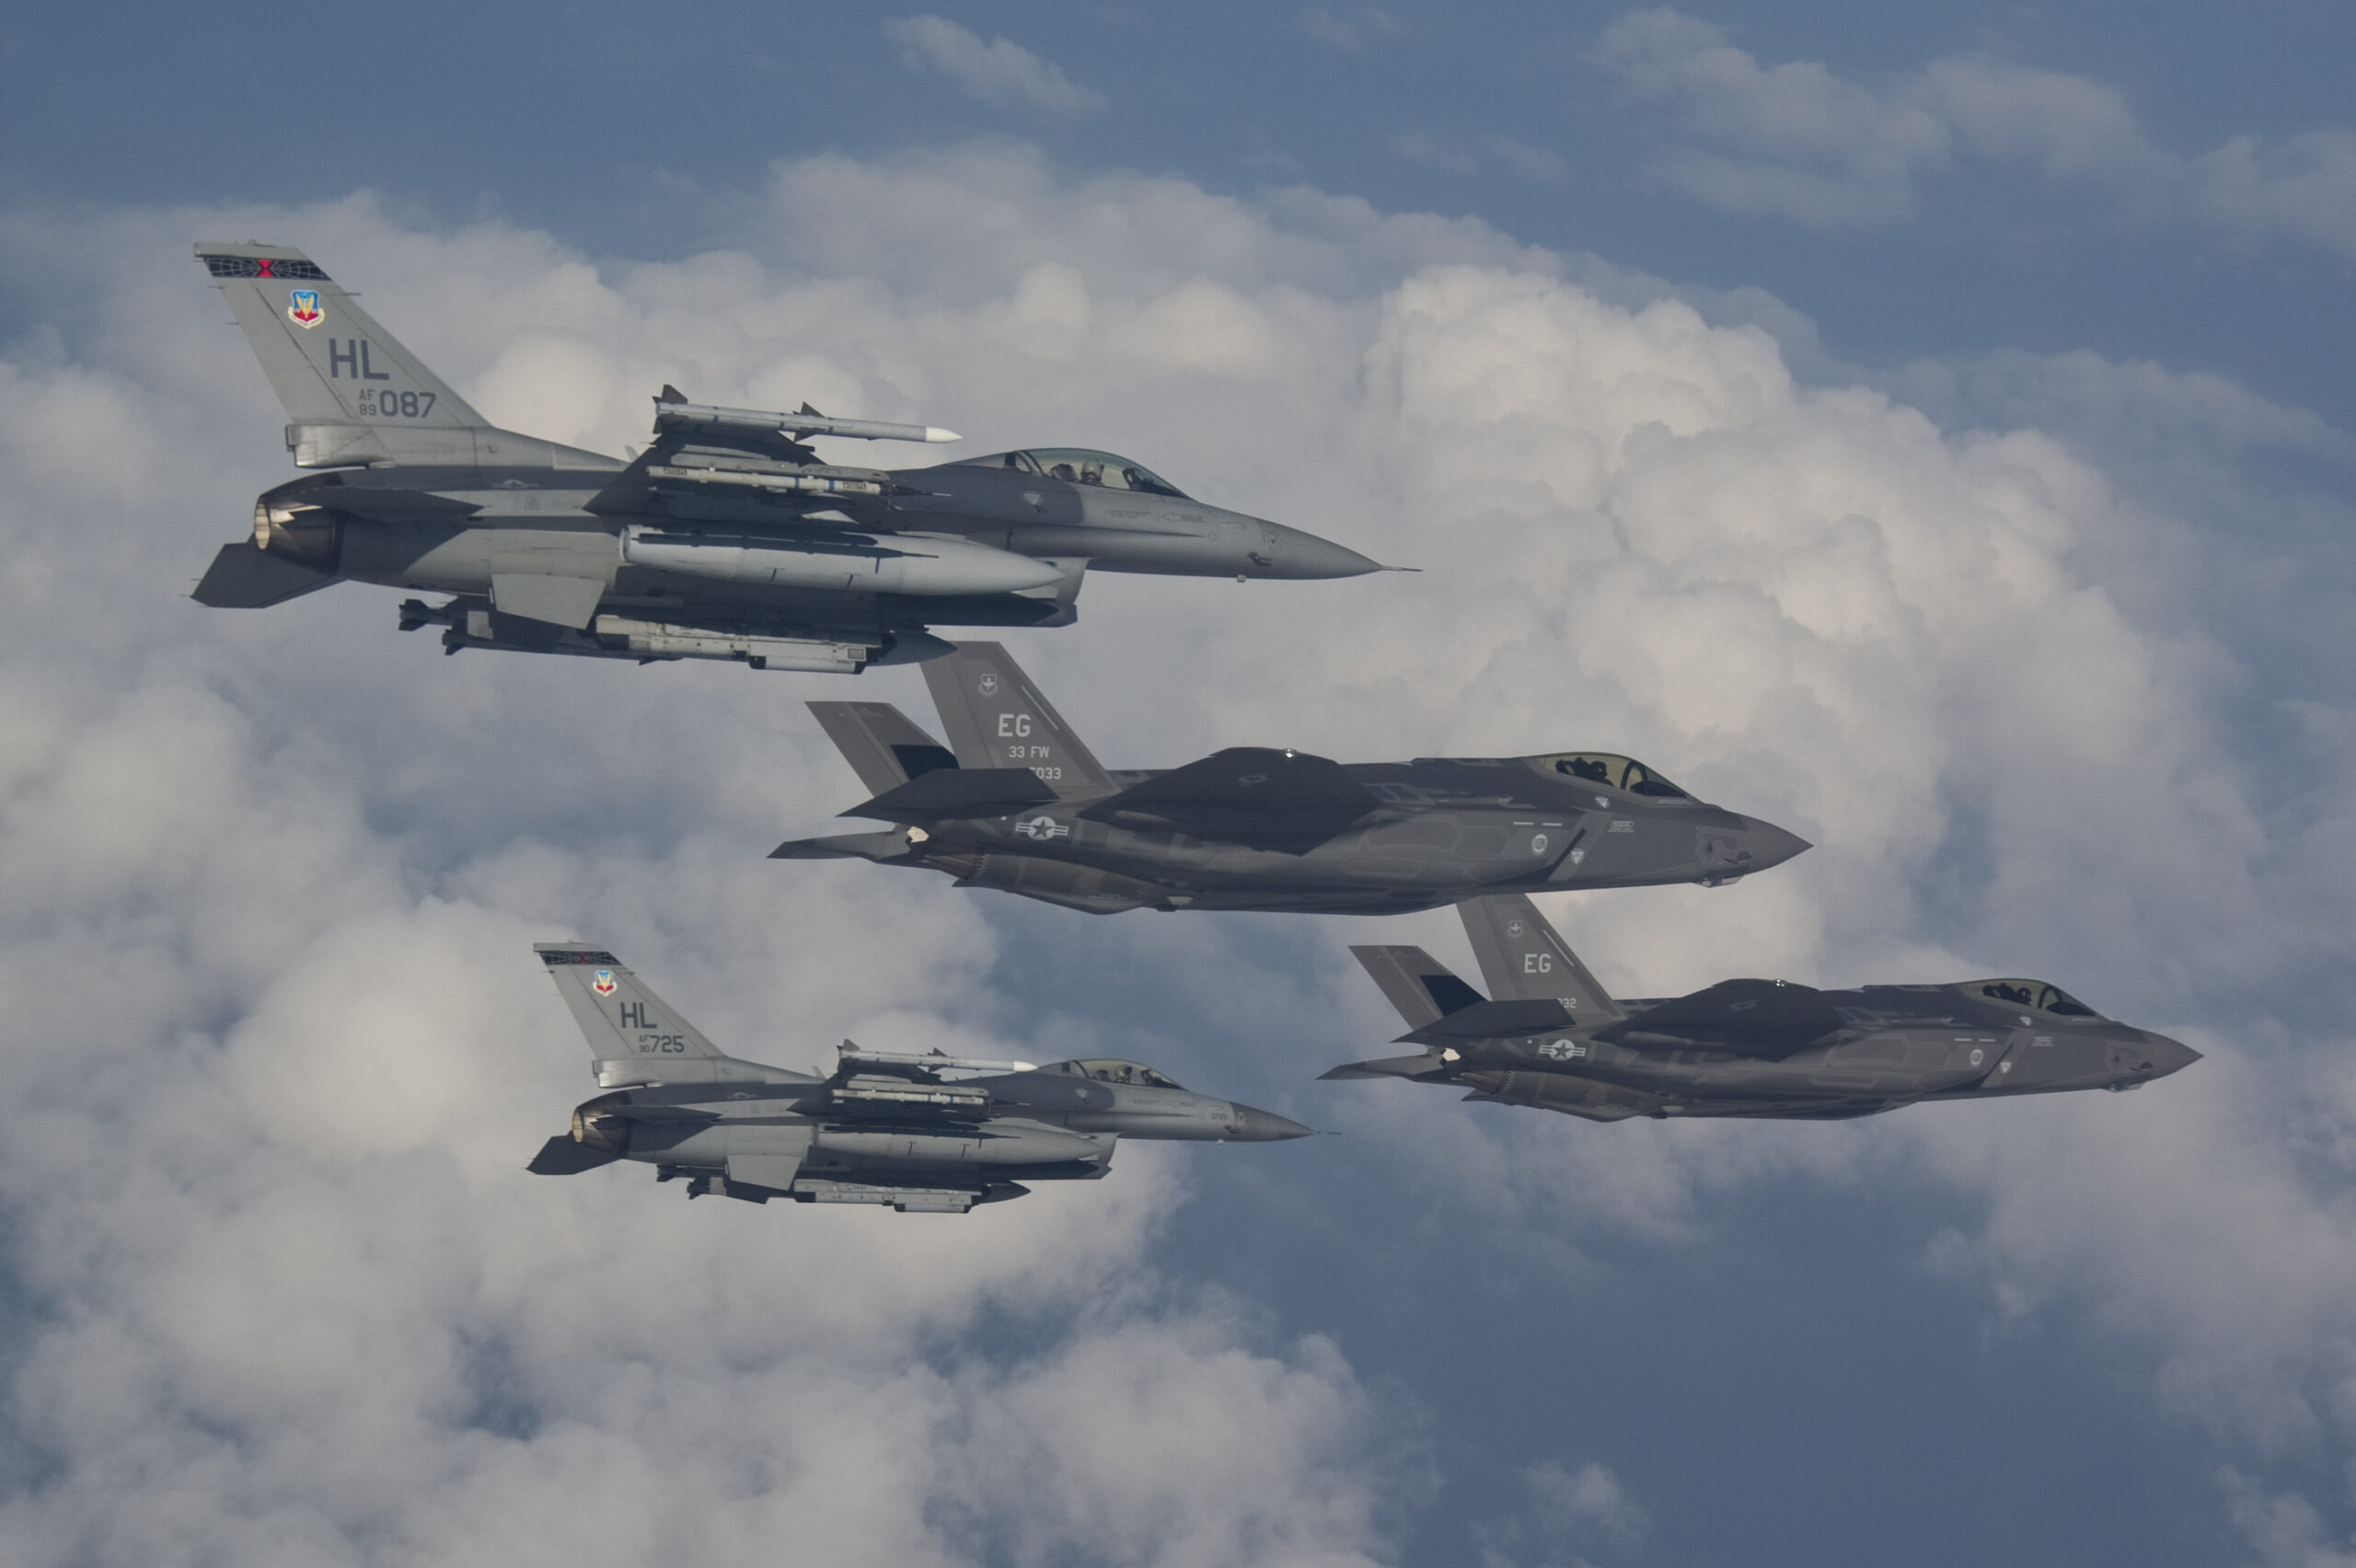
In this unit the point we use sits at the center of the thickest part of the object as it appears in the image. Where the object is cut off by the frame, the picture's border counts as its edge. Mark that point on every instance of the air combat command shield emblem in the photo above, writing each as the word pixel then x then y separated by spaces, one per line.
pixel 302 307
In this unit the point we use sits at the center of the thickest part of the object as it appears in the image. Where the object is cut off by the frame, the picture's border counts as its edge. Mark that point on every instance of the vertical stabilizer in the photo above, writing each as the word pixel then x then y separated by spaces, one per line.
pixel 1523 958
pixel 1424 989
pixel 996 717
pixel 352 393
pixel 883 745
pixel 633 1035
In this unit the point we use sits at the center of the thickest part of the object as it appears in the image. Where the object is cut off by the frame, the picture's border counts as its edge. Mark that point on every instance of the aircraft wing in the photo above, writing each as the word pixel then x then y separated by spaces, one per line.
pixel 1260 798
pixel 1766 1019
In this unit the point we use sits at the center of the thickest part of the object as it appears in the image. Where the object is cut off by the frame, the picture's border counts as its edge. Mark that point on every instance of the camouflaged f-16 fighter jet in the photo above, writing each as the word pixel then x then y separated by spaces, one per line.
pixel 1016 802
pixel 1548 1036
pixel 880 1129
pixel 727 538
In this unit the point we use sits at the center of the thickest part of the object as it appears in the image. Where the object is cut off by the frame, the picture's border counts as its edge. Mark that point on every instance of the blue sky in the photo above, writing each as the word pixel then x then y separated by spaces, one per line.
pixel 1934 434
pixel 631 130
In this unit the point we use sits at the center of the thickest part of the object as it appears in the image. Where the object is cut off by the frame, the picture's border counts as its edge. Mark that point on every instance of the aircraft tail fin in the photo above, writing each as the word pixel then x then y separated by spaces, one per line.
pixel 996 717
pixel 353 393
pixel 883 746
pixel 1523 958
pixel 632 1034
pixel 1424 989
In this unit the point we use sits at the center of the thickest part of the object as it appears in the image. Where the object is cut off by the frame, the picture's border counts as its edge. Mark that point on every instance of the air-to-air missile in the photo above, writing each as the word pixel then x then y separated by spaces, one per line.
pixel 1548 1036
pixel 882 1128
pixel 726 538
pixel 1016 802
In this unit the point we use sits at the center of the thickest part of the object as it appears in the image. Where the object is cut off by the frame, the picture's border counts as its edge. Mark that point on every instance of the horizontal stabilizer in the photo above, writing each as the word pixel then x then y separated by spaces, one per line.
pixel 243 576
pixel 562 1155
pixel 957 792
pixel 1389 1066
pixel 878 847
pixel 1495 1021
pixel 1255 796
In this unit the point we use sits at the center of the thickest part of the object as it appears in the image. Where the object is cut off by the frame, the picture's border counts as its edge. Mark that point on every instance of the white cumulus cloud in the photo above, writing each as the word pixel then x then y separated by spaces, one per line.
pixel 1799 141
pixel 1000 73
pixel 285 1287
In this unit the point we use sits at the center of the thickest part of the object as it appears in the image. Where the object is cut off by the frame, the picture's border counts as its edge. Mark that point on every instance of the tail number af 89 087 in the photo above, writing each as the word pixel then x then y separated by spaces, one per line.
pixel 391 404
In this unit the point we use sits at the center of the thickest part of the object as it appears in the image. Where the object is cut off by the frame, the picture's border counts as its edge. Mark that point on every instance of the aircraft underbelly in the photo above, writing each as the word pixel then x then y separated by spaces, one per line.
pixel 785 1147
pixel 452 559
pixel 1880 1068
pixel 1390 867
pixel 449 559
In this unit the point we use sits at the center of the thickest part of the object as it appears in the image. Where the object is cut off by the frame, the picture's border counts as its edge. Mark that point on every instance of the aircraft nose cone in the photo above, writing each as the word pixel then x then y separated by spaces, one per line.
pixel 1253 1126
pixel 2165 1055
pixel 1769 845
pixel 1297 555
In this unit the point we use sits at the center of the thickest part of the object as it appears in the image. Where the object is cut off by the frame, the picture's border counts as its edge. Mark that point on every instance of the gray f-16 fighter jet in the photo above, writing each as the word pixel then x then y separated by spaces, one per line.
pixel 1016 802
pixel 727 538
pixel 1548 1036
pixel 880 1129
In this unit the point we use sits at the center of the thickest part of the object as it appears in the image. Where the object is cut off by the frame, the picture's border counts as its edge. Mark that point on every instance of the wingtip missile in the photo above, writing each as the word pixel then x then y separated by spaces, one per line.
pixel 932 1061
pixel 673 411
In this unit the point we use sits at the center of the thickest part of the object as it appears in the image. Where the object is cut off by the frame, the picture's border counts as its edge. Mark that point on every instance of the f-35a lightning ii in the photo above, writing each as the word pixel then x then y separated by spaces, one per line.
pixel 727 538
pixel 1016 802
pixel 1548 1035
pixel 881 1129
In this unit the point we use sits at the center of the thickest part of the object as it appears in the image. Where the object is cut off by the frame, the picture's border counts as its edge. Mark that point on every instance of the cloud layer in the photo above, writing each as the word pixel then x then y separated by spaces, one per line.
pixel 1800 141
pixel 1000 73
pixel 286 1293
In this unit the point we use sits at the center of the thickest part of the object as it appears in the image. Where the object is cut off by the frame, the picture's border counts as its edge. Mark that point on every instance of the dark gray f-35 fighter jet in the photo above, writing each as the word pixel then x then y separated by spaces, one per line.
pixel 1548 1035
pixel 880 1129
pixel 1016 802
pixel 727 538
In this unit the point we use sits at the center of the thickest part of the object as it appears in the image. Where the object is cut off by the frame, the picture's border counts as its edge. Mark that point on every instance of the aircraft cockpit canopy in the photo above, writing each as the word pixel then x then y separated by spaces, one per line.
pixel 1109 1070
pixel 1079 466
pixel 2033 994
pixel 1612 772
